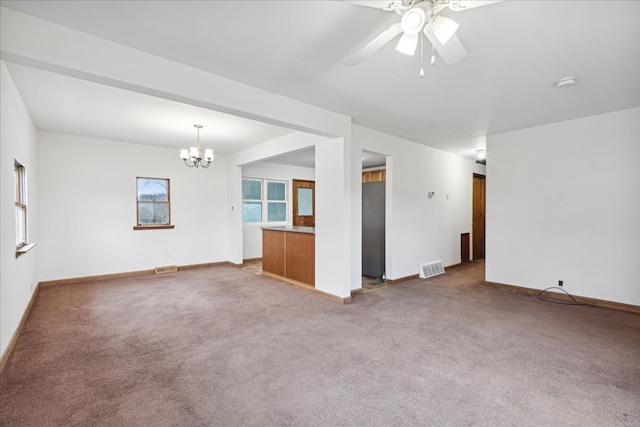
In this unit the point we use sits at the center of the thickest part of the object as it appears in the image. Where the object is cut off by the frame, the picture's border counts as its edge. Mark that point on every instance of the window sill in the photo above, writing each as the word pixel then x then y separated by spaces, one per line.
pixel 24 249
pixel 154 227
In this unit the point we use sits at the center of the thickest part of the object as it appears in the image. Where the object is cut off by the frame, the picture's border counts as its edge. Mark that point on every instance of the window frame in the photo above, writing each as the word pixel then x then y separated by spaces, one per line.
pixel 153 226
pixel 21 203
pixel 265 201
pixel 20 189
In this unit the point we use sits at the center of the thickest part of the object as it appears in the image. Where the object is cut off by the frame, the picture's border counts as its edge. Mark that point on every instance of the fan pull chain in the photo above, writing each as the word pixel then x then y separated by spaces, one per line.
pixel 433 54
pixel 433 34
pixel 421 56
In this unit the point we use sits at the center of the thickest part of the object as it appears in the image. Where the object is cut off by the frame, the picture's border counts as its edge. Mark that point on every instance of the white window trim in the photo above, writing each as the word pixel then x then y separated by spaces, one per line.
pixel 22 243
pixel 265 202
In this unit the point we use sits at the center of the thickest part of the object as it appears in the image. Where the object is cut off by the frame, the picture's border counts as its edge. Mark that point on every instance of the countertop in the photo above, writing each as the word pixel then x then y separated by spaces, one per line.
pixel 293 229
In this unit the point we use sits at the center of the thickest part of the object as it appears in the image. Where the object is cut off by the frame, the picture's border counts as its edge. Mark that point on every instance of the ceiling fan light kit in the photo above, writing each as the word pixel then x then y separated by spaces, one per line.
pixel 416 19
pixel 444 29
pixel 413 21
pixel 407 44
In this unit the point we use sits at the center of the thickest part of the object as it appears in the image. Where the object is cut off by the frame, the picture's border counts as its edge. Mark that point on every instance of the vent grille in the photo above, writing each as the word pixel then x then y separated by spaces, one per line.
pixel 166 269
pixel 431 269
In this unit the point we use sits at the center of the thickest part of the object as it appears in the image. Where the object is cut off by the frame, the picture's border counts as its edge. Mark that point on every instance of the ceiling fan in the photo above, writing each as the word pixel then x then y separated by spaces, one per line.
pixel 420 16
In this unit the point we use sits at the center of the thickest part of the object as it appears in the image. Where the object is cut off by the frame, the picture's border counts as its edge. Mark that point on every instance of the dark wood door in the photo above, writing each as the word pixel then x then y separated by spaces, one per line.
pixel 479 190
pixel 465 244
pixel 304 203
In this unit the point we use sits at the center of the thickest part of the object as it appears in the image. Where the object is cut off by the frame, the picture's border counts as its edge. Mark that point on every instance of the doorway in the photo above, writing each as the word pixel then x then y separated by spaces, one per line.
pixel 478 225
pixel 304 203
pixel 373 221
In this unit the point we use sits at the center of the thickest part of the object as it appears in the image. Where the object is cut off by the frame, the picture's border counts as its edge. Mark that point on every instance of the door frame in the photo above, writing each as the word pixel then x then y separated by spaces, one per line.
pixel 305 221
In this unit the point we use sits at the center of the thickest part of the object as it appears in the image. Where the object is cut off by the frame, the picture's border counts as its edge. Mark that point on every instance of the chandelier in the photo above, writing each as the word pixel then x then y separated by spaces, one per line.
pixel 193 156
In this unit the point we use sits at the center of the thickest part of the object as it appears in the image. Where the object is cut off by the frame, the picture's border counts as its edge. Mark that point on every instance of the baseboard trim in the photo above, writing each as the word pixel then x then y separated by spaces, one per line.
pixel 564 297
pixel 6 356
pixel 308 288
pixel 70 281
pixel 357 291
pixel 402 279
pixel 460 264
pixel 207 264
pixel 251 260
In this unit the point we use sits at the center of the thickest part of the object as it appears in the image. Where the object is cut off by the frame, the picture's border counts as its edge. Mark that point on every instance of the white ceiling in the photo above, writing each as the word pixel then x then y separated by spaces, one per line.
pixel 64 104
pixel 517 50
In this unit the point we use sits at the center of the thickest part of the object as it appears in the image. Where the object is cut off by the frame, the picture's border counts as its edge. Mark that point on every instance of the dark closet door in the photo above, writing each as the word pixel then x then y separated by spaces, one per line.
pixel 478 216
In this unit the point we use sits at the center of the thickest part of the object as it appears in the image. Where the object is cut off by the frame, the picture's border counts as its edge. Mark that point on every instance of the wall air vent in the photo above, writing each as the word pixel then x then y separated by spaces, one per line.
pixel 431 269
pixel 166 269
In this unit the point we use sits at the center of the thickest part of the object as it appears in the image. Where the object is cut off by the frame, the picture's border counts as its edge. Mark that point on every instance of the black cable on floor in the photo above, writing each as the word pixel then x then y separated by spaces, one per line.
pixel 575 302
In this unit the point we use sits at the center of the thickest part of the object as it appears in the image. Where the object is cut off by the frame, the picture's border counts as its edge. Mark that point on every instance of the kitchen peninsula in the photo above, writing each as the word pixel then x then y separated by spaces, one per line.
pixel 288 253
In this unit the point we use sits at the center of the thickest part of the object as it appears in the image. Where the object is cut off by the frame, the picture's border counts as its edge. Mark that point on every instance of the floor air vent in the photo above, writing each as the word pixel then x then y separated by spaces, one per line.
pixel 166 269
pixel 431 269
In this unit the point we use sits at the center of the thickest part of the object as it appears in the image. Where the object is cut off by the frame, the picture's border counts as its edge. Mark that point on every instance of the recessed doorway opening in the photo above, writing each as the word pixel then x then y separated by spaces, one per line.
pixel 373 221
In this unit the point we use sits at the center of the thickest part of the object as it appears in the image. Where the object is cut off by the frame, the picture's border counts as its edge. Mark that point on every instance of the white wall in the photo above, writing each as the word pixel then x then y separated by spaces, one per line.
pixel 88 201
pixel 334 239
pixel 18 276
pixel 252 233
pixel 563 203
pixel 421 229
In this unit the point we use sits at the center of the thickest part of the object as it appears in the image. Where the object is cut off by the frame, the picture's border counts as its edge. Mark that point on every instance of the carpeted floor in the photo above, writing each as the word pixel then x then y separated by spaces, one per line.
pixel 223 347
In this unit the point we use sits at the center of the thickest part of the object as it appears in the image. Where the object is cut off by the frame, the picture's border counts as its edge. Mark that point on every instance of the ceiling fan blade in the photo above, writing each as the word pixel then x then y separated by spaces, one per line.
pixel 450 53
pixel 375 44
pixel 458 5
pixel 376 4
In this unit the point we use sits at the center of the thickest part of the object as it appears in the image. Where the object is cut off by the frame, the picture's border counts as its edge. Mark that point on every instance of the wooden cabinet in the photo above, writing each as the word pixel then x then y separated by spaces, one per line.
pixel 273 252
pixel 289 254
pixel 374 176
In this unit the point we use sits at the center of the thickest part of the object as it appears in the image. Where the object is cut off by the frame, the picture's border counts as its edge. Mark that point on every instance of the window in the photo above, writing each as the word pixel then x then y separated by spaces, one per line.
pixel 251 200
pixel 21 204
pixel 276 201
pixel 153 204
pixel 263 200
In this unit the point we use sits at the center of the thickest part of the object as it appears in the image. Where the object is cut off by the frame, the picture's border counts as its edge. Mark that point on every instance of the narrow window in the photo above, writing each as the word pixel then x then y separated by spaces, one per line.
pixel 276 201
pixel 21 204
pixel 251 200
pixel 153 203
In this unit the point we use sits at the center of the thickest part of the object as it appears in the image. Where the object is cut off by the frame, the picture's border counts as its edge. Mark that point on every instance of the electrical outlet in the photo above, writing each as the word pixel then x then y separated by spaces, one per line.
pixel 560 283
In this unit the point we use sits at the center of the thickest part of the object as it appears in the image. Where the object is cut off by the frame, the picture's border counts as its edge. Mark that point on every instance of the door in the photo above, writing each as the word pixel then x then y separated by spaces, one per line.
pixel 304 203
pixel 478 215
